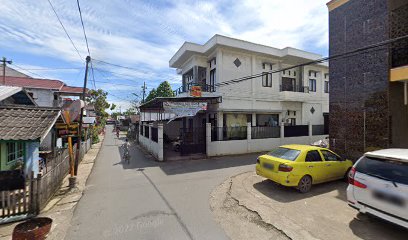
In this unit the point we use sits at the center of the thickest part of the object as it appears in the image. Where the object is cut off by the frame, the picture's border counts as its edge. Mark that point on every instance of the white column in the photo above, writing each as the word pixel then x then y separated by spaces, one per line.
pixel 150 137
pixel 208 139
pixel 282 133
pixel 249 137
pixel 253 119
pixel 310 132
pixel 220 124
pixel 160 154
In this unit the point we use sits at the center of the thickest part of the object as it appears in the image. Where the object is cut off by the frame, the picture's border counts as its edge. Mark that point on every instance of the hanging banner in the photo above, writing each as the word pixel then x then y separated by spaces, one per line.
pixel 183 109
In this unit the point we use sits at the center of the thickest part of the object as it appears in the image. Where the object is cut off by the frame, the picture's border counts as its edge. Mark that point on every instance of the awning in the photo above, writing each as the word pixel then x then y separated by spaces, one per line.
pixel 156 105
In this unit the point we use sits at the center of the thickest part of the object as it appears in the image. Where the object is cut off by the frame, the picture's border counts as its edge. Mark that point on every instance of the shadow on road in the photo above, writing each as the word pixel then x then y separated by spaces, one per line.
pixel 141 159
pixel 288 194
pixel 368 227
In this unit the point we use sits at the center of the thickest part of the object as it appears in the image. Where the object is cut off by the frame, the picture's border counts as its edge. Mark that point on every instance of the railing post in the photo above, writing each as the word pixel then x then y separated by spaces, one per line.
pixel 39 195
pixel 160 141
pixel 207 139
pixel 249 137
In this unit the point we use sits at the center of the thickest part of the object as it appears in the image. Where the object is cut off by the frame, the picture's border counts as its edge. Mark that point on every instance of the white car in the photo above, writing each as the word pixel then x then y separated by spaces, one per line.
pixel 378 185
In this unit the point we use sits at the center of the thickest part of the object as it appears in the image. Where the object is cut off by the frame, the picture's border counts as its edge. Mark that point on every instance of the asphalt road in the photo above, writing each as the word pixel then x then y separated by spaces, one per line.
pixel 151 200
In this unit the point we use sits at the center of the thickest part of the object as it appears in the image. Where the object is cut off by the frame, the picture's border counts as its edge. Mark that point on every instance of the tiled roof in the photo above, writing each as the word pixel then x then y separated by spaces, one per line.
pixel 26 123
pixel 28 82
pixel 34 83
pixel 71 89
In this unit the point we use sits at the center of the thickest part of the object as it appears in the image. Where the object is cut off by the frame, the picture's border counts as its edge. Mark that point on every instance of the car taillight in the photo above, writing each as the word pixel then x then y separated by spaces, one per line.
pixel 285 168
pixel 354 182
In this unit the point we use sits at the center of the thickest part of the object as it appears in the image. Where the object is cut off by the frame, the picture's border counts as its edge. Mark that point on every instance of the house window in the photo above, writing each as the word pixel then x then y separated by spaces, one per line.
pixel 15 151
pixel 312 85
pixel 326 86
pixel 212 77
pixel 267 79
pixel 267 76
pixel 213 62
pixel 294 73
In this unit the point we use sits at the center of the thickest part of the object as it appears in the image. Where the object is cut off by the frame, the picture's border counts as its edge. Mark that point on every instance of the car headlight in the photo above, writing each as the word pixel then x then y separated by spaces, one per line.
pixel 257 160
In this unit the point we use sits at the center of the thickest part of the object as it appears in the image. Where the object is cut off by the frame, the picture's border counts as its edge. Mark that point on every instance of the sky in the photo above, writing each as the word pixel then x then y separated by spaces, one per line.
pixel 144 35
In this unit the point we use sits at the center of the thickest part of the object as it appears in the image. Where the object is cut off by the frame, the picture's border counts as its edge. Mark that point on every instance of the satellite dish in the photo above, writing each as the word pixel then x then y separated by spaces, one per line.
pixel 72 111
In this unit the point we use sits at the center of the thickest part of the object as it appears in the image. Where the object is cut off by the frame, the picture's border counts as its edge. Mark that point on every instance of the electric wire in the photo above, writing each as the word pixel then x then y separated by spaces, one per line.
pixel 65 30
pixel 83 27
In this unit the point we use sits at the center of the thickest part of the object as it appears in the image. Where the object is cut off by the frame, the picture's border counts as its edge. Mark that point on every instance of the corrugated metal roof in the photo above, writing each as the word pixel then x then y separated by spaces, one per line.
pixel 8 91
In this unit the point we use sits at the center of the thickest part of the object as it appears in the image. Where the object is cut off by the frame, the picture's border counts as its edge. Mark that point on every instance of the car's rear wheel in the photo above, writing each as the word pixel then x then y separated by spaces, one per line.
pixel 346 175
pixel 305 184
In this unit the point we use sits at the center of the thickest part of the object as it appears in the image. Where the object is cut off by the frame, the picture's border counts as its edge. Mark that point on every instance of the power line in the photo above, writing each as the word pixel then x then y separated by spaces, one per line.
pixel 121 66
pixel 120 74
pixel 93 75
pixel 65 30
pixel 52 69
pixel 23 69
pixel 83 27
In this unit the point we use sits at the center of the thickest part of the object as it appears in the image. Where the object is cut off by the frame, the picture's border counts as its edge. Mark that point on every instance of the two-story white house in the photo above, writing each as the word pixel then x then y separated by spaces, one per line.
pixel 295 98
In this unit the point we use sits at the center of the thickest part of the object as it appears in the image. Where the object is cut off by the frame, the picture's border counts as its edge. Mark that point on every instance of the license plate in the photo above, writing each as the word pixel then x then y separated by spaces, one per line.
pixel 268 166
pixel 392 199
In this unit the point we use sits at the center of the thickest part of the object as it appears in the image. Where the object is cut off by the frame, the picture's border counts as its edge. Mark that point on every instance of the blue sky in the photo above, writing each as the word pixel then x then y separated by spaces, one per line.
pixel 145 34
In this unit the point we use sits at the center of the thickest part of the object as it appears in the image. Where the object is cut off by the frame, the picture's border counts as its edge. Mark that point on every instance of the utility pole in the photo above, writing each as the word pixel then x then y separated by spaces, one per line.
pixel 88 59
pixel 144 91
pixel 4 61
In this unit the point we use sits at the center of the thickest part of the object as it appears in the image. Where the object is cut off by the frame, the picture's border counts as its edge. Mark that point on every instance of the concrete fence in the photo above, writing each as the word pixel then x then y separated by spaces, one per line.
pixel 250 145
pixel 151 139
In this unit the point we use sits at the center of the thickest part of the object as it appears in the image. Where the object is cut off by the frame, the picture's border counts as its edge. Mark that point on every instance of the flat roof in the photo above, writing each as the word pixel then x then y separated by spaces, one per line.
pixel 189 49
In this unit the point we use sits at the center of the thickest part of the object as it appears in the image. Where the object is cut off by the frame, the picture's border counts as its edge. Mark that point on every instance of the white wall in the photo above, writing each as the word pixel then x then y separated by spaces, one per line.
pixel 43 97
pixel 154 148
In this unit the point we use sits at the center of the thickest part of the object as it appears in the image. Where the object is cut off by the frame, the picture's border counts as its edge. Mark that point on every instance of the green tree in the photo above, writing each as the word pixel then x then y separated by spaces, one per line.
pixel 112 106
pixel 98 99
pixel 164 90
pixel 152 95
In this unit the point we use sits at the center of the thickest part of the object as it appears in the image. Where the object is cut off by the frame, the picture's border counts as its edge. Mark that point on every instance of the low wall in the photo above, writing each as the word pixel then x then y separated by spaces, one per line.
pixel 249 145
pixel 154 148
pixel 219 148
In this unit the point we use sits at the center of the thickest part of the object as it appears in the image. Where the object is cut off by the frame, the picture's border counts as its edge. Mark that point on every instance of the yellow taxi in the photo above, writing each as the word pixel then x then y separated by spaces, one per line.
pixel 301 166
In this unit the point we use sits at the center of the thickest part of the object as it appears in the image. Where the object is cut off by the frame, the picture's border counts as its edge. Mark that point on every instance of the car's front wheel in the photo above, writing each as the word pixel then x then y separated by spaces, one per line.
pixel 305 184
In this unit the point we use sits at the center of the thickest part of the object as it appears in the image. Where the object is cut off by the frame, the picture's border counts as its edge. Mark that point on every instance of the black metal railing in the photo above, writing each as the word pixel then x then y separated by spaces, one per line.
pixel 319 130
pixel 155 134
pixel 265 132
pixel 297 131
pixel 228 133
pixel 187 87
pixel 146 131
pixel 293 88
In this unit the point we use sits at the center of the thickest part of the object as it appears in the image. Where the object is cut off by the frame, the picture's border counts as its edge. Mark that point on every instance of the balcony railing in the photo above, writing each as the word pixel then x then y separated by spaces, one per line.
pixel 292 88
pixel 187 87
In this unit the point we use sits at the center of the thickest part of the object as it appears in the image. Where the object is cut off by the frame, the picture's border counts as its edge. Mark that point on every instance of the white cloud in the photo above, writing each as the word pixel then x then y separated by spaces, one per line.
pixel 145 34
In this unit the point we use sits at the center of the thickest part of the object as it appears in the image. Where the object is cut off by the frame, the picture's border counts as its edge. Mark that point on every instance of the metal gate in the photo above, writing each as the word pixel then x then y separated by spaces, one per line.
pixel 192 141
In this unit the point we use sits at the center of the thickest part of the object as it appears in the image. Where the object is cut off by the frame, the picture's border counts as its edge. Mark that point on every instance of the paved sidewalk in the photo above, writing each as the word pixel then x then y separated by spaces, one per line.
pixel 62 206
pixel 269 208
